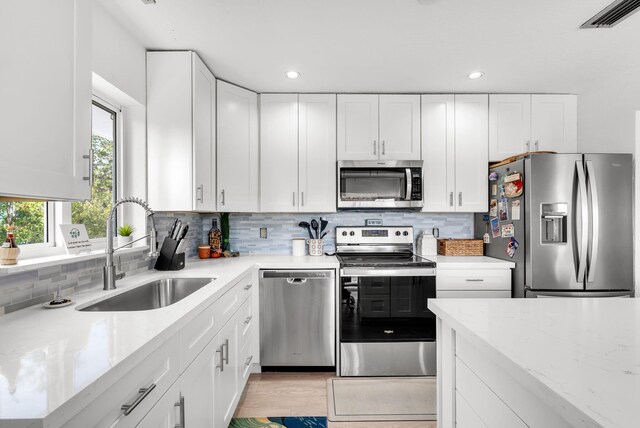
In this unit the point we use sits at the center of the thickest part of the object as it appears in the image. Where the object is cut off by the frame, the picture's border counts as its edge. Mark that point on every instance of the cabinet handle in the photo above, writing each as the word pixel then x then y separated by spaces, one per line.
pixel 536 145
pixel 302 198
pixel 383 147
pixel 180 404
pixel 294 199
pixel 451 199
pixel 200 189
pixel 246 363
pixel 474 280
pixel 220 351
pixel 374 147
pixel 143 392
pixel 527 144
pixel 222 197
pixel 247 287
pixel 248 319
pixel 226 345
pixel 90 158
pixel 459 199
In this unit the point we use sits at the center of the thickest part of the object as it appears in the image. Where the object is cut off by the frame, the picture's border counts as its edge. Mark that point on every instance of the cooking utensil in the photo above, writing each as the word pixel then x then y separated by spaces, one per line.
pixel 315 225
pixel 306 226
pixel 176 230
pixel 323 224
pixel 325 234
pixel 173 227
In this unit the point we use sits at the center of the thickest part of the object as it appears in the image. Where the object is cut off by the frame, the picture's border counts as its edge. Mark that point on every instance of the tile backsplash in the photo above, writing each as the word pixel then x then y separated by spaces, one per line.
pixel 32 287
pixel 245 228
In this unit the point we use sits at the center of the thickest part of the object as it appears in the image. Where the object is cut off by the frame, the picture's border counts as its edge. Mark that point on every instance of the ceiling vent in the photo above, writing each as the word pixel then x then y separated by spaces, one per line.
pixel 612 14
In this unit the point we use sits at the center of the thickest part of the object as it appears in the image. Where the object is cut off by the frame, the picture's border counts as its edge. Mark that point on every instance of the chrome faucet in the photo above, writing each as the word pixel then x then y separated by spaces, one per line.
pixel 109 274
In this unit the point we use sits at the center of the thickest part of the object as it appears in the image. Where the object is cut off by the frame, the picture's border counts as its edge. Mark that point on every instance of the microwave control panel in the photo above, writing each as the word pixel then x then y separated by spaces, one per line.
pixel 416 184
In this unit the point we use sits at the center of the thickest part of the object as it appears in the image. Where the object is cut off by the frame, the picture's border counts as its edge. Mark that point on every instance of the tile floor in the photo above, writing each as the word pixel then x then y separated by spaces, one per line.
pixel 300 394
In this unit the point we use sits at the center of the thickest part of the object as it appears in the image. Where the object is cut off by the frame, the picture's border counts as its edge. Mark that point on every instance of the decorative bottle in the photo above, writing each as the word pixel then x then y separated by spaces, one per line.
pixel 9 250
pixel 215 237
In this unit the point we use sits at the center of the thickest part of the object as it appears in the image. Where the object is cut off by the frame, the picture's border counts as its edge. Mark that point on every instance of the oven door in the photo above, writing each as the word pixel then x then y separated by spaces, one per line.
pixel 376 184
pixel 387 305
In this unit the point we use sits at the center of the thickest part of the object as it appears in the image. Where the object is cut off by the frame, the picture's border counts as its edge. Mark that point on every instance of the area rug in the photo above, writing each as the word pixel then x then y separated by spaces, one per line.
pixel 278 422
pixel 382 399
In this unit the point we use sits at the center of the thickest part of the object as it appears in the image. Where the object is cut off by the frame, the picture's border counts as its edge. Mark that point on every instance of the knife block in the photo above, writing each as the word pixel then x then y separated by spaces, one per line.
pixel 168 259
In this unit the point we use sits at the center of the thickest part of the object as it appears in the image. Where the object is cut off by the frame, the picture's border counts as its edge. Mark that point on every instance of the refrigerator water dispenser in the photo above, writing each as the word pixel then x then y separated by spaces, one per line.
pixel 553 223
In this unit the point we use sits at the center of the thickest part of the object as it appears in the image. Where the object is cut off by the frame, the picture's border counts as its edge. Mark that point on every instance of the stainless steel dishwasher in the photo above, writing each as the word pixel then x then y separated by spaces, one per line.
pixel 297 318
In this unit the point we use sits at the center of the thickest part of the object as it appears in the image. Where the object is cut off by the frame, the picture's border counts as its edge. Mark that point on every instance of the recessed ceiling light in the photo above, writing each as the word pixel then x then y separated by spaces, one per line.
pixel 475 75
pixel 292 74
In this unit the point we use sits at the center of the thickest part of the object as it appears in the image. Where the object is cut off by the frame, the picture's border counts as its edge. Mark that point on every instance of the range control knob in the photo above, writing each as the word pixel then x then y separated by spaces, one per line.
pixel 344 233
pixel 405 233
pixel 352 233
pixel 398 233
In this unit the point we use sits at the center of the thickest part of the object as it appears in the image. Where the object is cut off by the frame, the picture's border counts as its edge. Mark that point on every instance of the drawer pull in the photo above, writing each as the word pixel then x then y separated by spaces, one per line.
pixel 248 286
pixel 246 363
pixel 226 345
pixel 247 320
pixel 128 408
pixel 474 280
pixel 180 405
pixel 221 352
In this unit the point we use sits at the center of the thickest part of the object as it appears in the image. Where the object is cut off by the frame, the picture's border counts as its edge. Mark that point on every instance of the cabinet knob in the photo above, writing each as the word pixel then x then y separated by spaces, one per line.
pixel 535 145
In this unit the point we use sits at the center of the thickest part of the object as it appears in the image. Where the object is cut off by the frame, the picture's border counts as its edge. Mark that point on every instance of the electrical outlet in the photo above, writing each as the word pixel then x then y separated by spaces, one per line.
pixel 263 233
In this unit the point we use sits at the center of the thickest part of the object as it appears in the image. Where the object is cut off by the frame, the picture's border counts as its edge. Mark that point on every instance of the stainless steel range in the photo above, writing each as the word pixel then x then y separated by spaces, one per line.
pixel 386 328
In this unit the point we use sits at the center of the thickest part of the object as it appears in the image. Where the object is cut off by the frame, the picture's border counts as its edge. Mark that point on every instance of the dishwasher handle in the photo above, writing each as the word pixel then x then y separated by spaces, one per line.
pixel 298 275
pixel 296 281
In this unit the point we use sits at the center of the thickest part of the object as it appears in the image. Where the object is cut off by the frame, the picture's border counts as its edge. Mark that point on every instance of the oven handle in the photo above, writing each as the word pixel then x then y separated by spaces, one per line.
pixel 408 172
pixel 368 272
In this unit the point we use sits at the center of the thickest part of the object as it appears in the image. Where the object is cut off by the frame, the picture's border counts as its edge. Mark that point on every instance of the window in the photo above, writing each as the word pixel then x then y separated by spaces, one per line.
pixel 30 219
pixel 94 212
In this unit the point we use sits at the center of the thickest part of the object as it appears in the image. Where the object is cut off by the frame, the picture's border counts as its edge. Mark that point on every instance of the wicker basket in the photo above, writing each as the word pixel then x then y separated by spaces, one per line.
pixel 460 247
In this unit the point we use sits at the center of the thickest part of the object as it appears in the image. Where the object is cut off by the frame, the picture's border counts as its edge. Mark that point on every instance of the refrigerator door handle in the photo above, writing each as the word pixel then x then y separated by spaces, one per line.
pixel 584 231
pixel 594 238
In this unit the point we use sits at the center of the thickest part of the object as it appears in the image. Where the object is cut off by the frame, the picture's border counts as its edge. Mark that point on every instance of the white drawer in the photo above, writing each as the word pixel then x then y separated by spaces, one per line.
pixel 245 361
pixel 160 369
pixel 245 287
pixel 197 334
pixel 481 279
pixel 484 403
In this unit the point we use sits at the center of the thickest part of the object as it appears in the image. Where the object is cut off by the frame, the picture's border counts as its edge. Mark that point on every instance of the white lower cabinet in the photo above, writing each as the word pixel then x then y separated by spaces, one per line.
pixel 194 379
pixel 473 283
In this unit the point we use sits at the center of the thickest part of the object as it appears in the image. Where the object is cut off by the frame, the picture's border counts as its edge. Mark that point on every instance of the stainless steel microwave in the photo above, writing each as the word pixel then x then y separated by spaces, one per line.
pixel 380 184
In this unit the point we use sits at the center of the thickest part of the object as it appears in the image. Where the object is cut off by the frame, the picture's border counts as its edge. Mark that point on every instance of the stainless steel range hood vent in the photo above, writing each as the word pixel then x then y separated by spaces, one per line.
pixel 612 14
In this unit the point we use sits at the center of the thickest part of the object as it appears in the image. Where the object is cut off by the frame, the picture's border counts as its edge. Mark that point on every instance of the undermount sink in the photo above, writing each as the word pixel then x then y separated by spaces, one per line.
pixel 152 295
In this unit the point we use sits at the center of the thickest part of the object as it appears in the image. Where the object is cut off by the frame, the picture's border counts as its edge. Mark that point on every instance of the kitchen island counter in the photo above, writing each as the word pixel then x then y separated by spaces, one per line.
pixel 538 362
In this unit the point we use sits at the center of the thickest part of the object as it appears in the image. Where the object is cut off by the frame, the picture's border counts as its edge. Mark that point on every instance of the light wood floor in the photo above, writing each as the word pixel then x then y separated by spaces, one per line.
pixel 300 394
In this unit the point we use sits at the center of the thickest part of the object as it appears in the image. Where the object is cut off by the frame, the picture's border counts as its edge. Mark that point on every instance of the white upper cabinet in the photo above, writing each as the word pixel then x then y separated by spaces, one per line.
pixel 554 123
pixel 238 149
pixel 181 95
pixel 317 152
pixel 472 152
pixel 399 127
pixel 297 153
pixel 509 125
pixel 45 88
pixel 372 127
pixel 438 152
pixel 279 152
pixel 455 152
pixel 357 127
pixel 520 123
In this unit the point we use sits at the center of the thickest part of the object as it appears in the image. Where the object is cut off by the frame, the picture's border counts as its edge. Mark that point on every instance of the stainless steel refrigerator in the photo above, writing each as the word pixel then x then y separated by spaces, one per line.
pixel 575 228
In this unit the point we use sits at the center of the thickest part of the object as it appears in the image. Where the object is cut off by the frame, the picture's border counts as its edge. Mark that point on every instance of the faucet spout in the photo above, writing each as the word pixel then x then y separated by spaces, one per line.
pixel 109 271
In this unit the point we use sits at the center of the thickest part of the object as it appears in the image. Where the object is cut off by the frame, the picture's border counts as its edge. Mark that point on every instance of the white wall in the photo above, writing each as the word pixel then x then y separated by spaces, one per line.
pixel 606 114
pixel 119 76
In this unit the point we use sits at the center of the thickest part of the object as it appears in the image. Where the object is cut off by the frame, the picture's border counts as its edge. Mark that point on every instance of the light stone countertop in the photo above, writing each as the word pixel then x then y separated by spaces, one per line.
pixel 581 357
pixel 54 362
pixel 470 262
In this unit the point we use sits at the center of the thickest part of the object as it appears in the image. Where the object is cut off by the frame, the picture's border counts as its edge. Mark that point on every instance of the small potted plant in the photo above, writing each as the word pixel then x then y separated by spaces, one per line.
pixel 125 235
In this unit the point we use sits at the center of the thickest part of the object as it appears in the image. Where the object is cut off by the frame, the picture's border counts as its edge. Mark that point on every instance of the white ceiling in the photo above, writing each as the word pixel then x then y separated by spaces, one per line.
pixel 391 45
